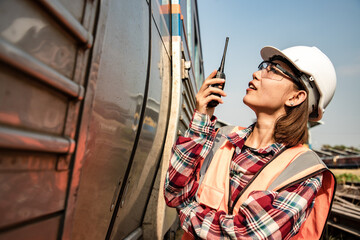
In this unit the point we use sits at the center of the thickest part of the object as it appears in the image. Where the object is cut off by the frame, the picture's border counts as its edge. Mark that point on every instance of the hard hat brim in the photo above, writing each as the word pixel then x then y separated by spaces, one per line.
pixel 269 51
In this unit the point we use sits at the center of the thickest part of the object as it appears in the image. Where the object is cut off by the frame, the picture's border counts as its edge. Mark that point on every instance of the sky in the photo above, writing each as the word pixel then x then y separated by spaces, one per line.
pixel 332 26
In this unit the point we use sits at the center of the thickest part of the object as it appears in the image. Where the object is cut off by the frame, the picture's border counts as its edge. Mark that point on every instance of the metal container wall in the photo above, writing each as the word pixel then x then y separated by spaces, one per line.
pixel 114 114
pixel 145 163
pixel 43 53
pixel 120 158
pixel 90 93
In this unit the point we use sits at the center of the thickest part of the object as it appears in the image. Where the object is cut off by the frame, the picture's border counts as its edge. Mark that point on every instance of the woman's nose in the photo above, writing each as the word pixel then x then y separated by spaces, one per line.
pixel 257 75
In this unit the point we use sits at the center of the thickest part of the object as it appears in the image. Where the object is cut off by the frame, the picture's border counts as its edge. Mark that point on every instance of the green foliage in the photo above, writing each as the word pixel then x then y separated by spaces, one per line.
pixel 347 177
pixel 340 147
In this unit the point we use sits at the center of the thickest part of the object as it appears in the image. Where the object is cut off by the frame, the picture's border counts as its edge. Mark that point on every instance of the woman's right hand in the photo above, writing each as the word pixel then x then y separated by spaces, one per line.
pixel 204 96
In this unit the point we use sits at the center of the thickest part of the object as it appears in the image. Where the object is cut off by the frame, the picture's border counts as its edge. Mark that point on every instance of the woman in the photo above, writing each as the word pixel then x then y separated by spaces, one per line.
pixel 258 185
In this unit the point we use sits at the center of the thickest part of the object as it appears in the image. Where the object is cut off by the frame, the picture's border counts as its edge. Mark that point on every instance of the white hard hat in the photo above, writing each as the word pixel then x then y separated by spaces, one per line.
pixel 321 77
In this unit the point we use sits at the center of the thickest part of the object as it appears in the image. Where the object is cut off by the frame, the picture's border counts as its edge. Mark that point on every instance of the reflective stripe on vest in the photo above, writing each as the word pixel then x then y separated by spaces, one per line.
pixel 291 166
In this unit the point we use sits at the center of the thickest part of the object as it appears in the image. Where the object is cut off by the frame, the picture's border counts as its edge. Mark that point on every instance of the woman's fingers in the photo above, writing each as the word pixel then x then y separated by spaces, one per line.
pixel 207 93
pixel 203 98
pixel 201 104
pixel 211 76
pixel 206 96
pixel 216 90
pixel 203 93
pixel 208 82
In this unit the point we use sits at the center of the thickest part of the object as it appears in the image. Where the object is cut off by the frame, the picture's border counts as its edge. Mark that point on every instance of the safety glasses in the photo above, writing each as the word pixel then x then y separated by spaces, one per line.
pixel 274 71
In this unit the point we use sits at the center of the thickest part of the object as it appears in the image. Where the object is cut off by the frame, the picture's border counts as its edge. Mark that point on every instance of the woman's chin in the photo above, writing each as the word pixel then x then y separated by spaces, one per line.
pixel 247 101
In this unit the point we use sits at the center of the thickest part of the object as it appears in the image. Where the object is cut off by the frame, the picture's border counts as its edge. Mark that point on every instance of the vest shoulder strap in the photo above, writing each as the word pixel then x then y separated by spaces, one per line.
pixel 299 167
pixel 218 142
pixel 292 166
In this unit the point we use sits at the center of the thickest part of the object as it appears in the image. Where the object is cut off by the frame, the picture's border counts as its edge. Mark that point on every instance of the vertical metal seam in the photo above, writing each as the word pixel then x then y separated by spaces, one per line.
pixel 141 119
pixel 167 123
pixel 68 219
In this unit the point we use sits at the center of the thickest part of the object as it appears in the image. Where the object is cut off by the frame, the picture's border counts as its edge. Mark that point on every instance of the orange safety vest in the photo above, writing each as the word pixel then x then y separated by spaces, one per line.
pixel 291 166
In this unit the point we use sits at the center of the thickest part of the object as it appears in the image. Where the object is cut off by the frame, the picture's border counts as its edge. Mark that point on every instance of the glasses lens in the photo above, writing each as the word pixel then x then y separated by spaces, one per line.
pixel 268 71
pixel 276 73
pixel 263 65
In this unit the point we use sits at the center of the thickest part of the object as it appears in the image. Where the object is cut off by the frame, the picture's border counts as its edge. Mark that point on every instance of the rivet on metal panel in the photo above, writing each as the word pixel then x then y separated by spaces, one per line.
pixel 123 196
pixel 116 193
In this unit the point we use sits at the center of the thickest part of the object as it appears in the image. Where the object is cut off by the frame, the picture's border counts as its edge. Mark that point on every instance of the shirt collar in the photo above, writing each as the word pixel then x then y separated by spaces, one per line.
pixel 238 139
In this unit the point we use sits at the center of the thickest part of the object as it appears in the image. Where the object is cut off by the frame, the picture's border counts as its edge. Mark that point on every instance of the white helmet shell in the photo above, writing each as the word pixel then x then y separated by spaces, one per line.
pixel 318 67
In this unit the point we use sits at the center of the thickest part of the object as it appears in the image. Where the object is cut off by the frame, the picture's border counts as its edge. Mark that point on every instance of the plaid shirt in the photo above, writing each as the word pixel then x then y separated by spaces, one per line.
pixel 264 215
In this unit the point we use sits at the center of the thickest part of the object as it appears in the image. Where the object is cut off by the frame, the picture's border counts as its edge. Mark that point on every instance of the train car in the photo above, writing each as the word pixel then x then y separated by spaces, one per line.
pixel 92 96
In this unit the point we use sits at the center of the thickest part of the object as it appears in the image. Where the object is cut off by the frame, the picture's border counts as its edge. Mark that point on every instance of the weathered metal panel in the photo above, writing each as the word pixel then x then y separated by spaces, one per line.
pixel 41 230
pixel 26 25
pixel 29 194
pixel 115 112
pixel 42 32
pixel 75 7
pixel 42 70
pixel 182 106
pixel 150 145
pixel 22 103
pixel 13 138
pixel 59 12
pixel 24 62
pixel 14 161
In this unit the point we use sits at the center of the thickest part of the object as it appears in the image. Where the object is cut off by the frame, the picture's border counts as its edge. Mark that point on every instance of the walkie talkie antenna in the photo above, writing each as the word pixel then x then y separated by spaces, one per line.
pixel 220 74
pixel 221 68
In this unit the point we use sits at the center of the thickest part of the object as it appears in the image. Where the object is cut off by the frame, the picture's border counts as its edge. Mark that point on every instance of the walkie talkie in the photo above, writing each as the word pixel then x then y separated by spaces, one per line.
pixel 220 74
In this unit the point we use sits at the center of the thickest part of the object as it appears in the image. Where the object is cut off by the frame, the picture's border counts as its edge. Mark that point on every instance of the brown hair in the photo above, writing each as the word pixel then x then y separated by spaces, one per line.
pixel 291 129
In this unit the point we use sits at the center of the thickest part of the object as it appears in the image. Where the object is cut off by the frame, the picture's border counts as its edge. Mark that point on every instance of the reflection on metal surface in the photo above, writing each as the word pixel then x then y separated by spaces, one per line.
pixel 62 14
pixel 110 111
pixel 17 30
pixel 150 144
pixel 23 103
pixel 151 118
pixel 25 140
pixel 24 62
pixel 25 25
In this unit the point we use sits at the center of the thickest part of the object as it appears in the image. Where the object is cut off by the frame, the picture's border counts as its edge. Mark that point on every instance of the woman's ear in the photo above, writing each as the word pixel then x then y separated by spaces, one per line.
pixel 296 98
